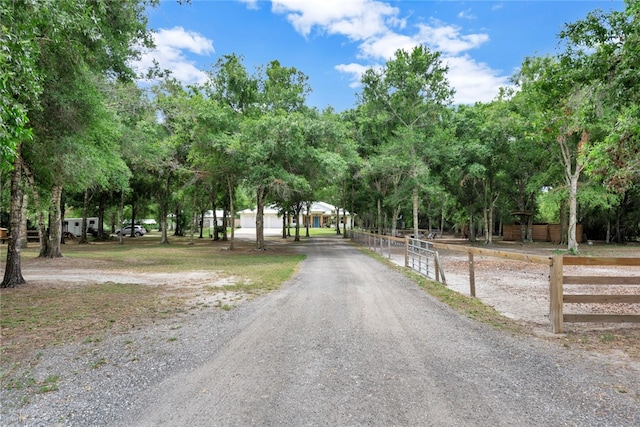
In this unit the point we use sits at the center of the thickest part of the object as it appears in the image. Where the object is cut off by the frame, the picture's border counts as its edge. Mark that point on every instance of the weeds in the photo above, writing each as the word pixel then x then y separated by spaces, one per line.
pixel 99 363
pixel 29 384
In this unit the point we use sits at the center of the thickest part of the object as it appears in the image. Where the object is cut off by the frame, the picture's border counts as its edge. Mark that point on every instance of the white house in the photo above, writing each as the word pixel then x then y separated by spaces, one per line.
pixel 322 215
pixel 208 218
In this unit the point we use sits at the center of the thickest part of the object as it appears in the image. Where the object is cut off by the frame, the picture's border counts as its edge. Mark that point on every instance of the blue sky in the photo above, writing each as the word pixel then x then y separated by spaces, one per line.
pixel 334 41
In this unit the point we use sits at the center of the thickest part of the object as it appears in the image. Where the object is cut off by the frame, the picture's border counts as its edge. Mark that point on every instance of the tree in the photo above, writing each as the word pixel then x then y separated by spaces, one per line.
pixel 272 136
pixel 604 49
pixel 552 91
pixel 411 91
pixel 75 37
pixel 233 100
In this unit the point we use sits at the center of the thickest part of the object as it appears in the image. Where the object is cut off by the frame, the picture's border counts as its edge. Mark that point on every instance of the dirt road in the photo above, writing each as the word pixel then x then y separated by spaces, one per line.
pixel 350 342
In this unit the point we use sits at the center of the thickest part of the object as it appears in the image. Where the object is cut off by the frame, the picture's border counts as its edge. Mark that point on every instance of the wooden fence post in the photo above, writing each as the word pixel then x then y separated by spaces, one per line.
pixel 439 270
pixel 472 276
pixel 555 295
pixel 406 251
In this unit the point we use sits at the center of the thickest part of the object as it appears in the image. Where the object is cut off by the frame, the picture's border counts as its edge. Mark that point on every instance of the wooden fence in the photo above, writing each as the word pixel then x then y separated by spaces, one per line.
pixel 471 251
pixel 386 245
pixel 557 297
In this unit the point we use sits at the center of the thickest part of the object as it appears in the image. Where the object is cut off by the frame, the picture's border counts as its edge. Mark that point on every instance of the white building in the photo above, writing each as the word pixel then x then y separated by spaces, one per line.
pixel 74 225
pixel 322 215
pixel 208 219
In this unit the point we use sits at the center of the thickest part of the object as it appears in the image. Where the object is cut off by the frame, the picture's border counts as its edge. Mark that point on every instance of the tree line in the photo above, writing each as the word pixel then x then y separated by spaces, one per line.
pixel 562 142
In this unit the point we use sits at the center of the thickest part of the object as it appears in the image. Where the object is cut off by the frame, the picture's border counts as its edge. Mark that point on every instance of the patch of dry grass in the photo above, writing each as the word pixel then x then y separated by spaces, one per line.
pixel 36 316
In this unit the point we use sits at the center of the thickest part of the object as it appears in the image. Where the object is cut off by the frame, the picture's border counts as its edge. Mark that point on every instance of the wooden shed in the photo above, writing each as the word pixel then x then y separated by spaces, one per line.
pixel 540 233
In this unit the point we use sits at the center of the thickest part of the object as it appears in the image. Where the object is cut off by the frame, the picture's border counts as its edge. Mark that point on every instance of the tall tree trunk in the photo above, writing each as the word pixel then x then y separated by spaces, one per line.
pixel 308 221
pixel 394 221
pixel 619 212
pixel 416 222
pixel 120 216
pixel 344 223
pixel 572 242
pixel 379 215
pixel 226 223
pixel 178 230
pixel 572 175
pixel 472 226
pixel 215 221
pixel 55 225
pixel 296 215
pixel 442 214
pixel 385 223
pixel 164 227
pixel 42 234
pixel 42 227
pixel 284 225
pixel 488 219
pixel 24 241
pixel 193 221
pixel 201 224
pixel 232 215
pixel 164 237
pixel 487 234
pixel 261 194
pixel 337 221
pixel 133 220
pixel 563 222
pixel 13 270
pixel 101 217
pixel 85 208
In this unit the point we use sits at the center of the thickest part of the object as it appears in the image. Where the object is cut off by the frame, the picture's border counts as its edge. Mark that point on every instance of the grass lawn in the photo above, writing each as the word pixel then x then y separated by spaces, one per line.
pixel 64 309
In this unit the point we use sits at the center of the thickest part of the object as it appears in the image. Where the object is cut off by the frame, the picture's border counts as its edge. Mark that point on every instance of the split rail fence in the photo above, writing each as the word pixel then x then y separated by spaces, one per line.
pixel 557 296
pixel 423 257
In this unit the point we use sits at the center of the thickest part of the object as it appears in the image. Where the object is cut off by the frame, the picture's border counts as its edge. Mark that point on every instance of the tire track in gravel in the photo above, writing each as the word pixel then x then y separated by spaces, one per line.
pixel 351 342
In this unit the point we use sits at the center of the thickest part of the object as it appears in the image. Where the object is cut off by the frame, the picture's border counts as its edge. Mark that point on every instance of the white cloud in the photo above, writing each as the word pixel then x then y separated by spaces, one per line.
pixel 355 19
pixel 379 31
pixel 448 39
pixel 473 81
pixel 178 37
pixel 385 46
pixel 251 4
pixel 169 53
pixel 466 14
pixel 356 71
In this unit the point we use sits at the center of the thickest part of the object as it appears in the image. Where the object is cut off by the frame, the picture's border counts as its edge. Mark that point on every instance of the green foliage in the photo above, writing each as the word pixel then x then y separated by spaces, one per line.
pixel 403 105
pixel 68 105
pixel 604 49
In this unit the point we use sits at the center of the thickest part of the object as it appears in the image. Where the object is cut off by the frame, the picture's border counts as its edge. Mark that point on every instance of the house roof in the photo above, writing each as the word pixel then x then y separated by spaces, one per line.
pixel 317 208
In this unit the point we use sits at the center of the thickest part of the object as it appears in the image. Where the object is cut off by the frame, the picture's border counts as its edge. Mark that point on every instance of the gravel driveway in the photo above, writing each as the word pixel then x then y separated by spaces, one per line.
pixel 348 341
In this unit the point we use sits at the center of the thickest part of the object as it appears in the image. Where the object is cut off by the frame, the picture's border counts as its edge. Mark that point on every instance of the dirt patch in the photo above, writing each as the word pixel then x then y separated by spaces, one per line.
pixel 520 290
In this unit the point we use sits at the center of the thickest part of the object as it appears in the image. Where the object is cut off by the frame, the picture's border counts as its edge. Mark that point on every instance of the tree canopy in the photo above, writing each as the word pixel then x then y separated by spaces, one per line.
pixel 560 145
